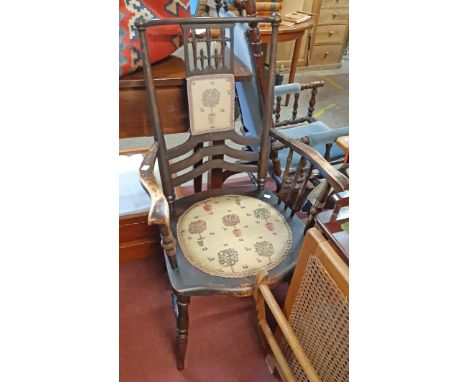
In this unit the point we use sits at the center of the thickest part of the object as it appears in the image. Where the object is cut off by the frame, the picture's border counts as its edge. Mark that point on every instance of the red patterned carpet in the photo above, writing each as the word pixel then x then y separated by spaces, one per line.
pixel 224 344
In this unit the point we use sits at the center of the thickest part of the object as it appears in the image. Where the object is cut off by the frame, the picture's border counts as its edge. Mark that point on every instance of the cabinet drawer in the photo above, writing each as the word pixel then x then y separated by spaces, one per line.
pixel 326 54
pixel 333 16
pixel 330 34
pixel 335 3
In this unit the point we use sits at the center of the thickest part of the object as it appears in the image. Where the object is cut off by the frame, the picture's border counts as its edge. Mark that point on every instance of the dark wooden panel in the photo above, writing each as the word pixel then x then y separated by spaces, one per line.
pixel 171 95
pixel 222 135
pixel 136 228
pixel 217 163
pixel 139 249
pixel 171 72
pixel 212 150
pixel 134 116
pixel 137 239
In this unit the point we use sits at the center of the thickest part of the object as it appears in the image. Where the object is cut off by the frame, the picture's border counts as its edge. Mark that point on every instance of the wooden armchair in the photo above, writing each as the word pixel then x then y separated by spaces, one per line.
pixel 215 241
pixel 312 339
pixel 305 128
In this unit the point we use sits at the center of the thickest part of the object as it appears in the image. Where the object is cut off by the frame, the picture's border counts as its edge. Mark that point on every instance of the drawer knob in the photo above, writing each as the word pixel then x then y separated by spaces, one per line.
pixel 331 33
pixel 326 54
pixel 335 14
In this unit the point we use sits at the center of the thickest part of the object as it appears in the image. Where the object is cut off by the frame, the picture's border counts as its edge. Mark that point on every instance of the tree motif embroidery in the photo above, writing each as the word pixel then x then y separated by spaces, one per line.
pixel 232 220
pixel 228 258
pixel 210 98
pixel 265 214
pixel 264 248
pixel 198 226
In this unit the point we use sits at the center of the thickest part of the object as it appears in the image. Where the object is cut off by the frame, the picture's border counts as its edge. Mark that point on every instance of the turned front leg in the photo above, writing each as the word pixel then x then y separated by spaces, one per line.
pixel 182 321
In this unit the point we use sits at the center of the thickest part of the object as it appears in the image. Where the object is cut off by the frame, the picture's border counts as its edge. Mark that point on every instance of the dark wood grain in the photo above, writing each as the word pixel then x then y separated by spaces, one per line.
pixel 212 150
pixel 169 79
pixel 186 279
pixel 214 164
pixel 194 140
pixel 337 180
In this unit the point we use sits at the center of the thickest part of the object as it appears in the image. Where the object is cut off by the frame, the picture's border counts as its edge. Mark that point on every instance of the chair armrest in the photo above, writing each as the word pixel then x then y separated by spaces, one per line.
pixel 262 294
pixel 296 89
pixel 336 179
pixel 159 210
pixel 281 90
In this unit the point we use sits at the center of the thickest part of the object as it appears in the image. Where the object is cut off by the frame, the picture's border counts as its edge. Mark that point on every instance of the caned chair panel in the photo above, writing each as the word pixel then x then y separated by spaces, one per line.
pixel 318 311
pixel 312 336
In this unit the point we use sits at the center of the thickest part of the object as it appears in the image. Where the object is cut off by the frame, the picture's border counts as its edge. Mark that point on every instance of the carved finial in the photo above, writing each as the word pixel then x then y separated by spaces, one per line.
pixel 276 18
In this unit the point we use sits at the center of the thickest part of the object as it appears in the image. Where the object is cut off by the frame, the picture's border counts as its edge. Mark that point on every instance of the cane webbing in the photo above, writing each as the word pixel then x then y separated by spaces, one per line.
pixel 319 317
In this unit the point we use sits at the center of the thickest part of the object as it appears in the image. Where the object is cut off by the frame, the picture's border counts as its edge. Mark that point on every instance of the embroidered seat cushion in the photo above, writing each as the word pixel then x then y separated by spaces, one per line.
pixel 233 236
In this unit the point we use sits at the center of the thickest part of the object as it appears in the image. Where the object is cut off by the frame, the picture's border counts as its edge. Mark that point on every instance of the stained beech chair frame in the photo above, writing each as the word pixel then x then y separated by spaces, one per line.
pixel 165 210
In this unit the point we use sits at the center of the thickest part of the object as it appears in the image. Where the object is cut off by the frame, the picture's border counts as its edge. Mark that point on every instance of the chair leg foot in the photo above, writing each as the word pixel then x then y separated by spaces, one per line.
pixel 182 320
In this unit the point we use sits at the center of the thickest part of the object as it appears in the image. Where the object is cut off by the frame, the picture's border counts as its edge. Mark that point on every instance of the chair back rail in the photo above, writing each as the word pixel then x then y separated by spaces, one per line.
pixel 310 109
pixel 207 54
pixel 195 140
pixel 335 178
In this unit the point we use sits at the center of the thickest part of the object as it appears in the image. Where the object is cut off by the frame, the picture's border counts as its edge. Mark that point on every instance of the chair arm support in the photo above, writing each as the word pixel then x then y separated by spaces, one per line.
pixel 262 294
pixel 159 210
pixel 295 87
pixel 281 90
pixel 336 179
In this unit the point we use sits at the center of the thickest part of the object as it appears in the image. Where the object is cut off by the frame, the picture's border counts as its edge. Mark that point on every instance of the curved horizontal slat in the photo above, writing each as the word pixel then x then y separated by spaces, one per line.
pixel 217 163
pixel 212 150
pixel 194 140
pixel 336 179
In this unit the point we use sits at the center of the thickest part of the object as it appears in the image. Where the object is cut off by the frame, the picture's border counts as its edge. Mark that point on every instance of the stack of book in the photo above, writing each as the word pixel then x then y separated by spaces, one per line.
pixel 295 18
pixel 267 8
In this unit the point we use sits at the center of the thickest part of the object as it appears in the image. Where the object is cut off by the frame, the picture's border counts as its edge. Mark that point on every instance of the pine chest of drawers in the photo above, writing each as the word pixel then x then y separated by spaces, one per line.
pixel 329 37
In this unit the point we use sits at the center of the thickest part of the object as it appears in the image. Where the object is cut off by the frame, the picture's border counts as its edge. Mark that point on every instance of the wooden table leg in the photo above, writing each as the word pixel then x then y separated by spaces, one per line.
pixel 295 59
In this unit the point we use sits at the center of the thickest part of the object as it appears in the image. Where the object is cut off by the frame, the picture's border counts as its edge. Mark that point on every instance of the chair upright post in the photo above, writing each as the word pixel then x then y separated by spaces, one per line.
pixel 268 110
pixel 154 118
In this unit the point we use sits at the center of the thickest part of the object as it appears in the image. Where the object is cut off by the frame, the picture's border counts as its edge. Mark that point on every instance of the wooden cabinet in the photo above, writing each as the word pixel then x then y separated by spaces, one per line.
pixel 330 34
pixel 323 45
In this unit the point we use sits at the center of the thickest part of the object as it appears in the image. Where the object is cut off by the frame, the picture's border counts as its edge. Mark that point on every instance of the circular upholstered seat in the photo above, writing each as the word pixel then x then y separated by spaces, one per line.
pixel 233 236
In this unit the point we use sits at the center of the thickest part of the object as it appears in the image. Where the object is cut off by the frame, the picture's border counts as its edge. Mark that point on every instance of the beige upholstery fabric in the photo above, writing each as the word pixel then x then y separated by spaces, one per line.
pixel 233 236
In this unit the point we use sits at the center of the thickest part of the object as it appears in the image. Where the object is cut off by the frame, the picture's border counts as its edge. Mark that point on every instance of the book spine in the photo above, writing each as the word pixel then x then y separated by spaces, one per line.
pixel 265 13
pixel 268 6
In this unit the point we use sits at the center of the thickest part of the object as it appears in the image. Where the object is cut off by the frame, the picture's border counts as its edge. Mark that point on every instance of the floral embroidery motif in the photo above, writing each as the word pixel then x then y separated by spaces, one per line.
pixel 232 220
pixel 228 258
pixel 198 226
pixel 264 248
pixel 263 213
pixel 204 234
pixel 207 206
pixel 210 98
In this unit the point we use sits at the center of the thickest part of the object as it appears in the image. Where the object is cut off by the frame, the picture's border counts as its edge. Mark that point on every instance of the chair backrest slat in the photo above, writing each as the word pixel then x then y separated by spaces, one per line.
pixel 203 152
pixel 194 140
pixel 213 164
pixel 209 55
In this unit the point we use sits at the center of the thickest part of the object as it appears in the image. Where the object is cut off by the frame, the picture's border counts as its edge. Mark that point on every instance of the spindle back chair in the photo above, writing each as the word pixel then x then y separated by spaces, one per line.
pixel 221 262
